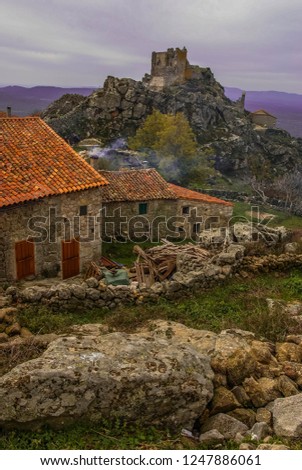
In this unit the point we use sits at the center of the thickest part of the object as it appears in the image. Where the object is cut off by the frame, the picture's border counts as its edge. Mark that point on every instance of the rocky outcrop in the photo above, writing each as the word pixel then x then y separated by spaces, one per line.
pixel 121 106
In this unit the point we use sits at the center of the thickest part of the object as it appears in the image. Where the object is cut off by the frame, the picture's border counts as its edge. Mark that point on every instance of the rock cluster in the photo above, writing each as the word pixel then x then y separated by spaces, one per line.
pixel 271 262
pixel 223 386
pixel 257 385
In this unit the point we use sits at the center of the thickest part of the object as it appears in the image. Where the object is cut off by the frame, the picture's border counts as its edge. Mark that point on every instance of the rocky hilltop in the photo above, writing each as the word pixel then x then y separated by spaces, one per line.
pixel 120 107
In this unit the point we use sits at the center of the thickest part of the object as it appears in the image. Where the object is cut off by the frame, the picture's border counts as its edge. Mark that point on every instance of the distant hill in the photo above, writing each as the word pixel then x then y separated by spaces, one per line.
pixel 287 107
pixel 24 101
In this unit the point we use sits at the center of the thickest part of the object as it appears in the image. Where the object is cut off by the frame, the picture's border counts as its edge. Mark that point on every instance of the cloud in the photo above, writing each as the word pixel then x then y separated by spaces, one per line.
pixel 247 43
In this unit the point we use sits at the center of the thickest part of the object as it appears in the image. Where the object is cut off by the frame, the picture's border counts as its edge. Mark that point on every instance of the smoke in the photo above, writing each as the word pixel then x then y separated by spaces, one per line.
pixel 99 152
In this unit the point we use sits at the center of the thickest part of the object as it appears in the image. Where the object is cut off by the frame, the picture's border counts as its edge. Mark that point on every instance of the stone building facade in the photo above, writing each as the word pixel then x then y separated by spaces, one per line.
pixel 46 224
pixel 140 205
pixel 263 118
pixel 50 203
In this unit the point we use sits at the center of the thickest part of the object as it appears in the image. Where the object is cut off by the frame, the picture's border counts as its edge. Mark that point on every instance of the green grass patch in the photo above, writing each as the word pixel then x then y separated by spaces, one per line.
pixel 233 304
pixel 290 221
pixel 123 252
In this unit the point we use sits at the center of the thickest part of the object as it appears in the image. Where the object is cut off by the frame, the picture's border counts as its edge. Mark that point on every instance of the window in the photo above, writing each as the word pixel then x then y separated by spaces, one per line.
pixel 196 227
pixel 142 208
pixel 83 210
pixel 186 210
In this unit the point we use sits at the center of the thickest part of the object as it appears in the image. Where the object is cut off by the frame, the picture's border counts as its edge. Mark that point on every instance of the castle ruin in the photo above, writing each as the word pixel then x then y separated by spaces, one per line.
pixel 172 68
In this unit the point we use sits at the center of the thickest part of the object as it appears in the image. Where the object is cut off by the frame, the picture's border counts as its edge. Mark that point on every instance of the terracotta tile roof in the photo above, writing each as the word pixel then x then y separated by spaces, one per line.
pixel 183 193
pixel 3 114
pixel 35 162
pixel 262 112
pixel 144 185
pixel 135 185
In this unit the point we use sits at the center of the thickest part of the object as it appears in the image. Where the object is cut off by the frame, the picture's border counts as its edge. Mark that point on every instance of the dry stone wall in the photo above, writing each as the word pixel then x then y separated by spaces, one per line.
pixel 189 278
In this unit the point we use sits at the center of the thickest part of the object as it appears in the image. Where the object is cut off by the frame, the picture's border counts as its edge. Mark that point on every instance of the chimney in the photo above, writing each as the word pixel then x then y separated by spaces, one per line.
pixel 9 111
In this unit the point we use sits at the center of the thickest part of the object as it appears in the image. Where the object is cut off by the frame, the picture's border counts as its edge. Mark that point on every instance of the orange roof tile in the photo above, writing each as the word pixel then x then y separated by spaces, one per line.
pixel 144 185
pixel 183 193
pixel 35 162
pixel 135 185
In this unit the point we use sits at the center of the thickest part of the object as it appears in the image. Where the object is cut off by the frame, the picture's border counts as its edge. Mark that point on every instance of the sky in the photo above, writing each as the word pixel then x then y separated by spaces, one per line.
pixel 250 44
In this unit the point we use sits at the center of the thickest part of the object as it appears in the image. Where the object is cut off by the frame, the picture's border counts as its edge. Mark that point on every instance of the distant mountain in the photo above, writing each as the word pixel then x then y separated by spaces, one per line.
pixel 287 107
pixel 24 101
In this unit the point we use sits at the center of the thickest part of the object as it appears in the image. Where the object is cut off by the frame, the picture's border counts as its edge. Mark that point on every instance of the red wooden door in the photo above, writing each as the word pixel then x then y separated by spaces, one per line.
pixel 25 258
pixel 70 258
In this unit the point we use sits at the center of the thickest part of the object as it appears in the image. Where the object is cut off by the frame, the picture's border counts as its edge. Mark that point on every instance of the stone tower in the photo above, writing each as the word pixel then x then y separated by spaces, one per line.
pixel 168 68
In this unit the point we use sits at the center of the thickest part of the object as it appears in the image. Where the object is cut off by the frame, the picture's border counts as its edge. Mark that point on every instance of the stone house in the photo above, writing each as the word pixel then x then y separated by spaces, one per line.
pixel 263 118
pixel 50 202
pixel 141 205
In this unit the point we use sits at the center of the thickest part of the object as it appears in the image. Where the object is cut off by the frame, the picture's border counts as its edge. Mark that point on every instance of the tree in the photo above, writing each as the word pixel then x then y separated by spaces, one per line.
pixel 169 142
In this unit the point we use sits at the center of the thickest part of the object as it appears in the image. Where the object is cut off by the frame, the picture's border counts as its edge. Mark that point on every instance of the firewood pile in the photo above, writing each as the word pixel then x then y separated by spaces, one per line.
pixel 93 270
pixel 160 262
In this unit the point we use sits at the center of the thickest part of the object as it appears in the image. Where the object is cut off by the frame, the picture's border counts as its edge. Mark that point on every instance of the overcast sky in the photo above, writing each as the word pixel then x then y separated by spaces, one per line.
pixel 251 44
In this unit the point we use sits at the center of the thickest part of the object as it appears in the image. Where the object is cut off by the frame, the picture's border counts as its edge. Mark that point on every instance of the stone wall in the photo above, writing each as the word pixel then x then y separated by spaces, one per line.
pixel 190 277
pixel 207 215
pixel 16 224
pixel 163 218
pixel 134 225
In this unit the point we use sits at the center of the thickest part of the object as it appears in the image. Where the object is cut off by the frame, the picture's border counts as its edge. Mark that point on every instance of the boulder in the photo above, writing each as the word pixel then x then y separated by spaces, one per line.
pixel 223 401
pixel 259 431
pixel 211 438
pixel 261 391
pixel 225 425
pixel 246 416
pixel 78 291
pixel 289 352
pixel 263 415
pixel 272 447
pixel 287 416
pixel 108 376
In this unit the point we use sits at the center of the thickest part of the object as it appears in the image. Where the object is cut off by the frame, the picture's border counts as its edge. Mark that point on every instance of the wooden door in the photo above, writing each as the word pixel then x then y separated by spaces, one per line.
pixel 70 258
pixel 25 258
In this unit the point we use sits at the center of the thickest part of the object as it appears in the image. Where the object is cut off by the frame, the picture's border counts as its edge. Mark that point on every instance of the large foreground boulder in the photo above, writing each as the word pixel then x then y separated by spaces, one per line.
pixel 111 376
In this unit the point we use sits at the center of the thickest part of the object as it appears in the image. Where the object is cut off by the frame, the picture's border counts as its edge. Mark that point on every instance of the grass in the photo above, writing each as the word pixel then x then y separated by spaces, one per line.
pixel 101 436
pixel 290 221
pixel 109 436
pixel 123 252
pixel 235 303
